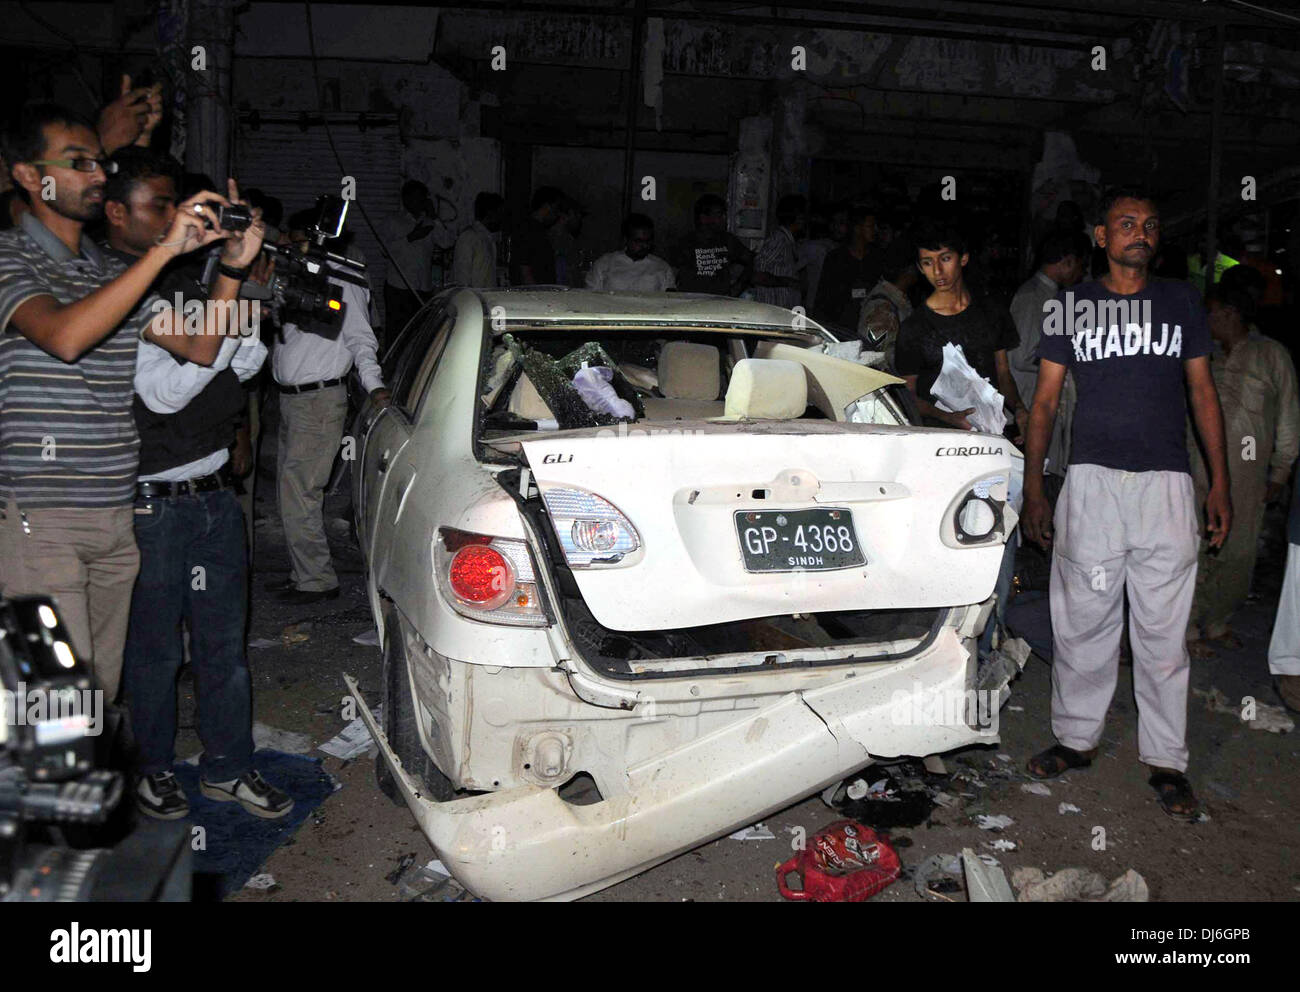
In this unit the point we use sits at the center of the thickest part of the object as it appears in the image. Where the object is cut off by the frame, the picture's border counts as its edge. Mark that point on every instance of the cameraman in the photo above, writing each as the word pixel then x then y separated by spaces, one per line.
pixel 310 372
pixel 188 522
pixel 73 320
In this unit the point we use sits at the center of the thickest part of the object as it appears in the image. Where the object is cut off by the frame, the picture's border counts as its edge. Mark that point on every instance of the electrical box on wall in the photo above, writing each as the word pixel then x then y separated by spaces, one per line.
pixel 751 179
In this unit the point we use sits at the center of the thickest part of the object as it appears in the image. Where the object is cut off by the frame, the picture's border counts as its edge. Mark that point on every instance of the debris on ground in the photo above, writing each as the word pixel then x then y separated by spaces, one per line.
pixel 1002 844
pixel 934 765
pixel 755 831
pixel 985 882
pixel 1273 719
pixel 295 633
pixel 432 883
pixel 945 799
pixel 264 882
pixel 897 796
pixel 1035 788
pixel 368 638
pixel 1077 885
pixel 1064 808
pixel 263 642
pixel 353 740
pixel 940 877
pixel 842 862
pixel 997 822
pixel 394 876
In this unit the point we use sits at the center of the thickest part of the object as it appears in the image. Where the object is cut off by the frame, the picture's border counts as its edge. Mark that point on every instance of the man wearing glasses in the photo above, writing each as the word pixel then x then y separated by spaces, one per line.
pixel 70 321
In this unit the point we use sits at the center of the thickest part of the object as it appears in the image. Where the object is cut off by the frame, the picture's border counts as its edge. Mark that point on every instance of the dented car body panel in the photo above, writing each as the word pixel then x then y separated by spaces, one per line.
pixel 694 694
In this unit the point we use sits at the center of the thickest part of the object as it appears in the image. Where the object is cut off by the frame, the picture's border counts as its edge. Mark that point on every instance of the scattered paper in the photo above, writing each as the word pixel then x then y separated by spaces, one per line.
pixel 1002 844
pixel 1077 885
pixel 756 832
pixel 261 882
pixel 985 881
pixel 1036 789
pixel 352 741
pixel 1274 719
pixel 999 822
pixel 263 642
pixel 959 387
pixel 1068 808
pixel 369 638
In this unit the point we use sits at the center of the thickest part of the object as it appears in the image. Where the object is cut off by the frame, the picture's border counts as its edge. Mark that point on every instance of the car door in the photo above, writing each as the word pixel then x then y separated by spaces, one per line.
pixel 383 432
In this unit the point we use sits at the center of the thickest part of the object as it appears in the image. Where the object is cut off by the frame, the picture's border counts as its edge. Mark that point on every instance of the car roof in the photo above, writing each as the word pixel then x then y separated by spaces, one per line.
pixel 536 305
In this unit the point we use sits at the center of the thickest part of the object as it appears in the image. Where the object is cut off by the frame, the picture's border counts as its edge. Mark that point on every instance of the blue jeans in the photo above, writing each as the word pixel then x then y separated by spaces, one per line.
pixel 192 568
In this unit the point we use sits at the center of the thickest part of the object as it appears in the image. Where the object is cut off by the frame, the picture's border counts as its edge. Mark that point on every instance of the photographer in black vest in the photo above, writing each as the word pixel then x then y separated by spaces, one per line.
pixel 188 521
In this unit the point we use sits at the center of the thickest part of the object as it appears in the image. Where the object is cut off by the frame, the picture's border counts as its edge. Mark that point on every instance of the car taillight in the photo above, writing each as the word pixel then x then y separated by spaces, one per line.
pixel 481 577
pixel 487 578
pixel 591 529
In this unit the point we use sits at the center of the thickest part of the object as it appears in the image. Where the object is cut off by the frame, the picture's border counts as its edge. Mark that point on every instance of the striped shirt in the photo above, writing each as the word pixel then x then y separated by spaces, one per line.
pixel 777 256
pixel 67 436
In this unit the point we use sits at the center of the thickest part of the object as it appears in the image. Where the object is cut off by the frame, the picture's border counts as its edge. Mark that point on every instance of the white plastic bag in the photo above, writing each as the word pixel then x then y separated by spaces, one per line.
pixel 594 386
pixel 960 387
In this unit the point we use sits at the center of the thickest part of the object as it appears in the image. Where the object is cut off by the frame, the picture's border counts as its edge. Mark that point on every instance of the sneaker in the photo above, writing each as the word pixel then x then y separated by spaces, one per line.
pixel 160 796
pixel 251 791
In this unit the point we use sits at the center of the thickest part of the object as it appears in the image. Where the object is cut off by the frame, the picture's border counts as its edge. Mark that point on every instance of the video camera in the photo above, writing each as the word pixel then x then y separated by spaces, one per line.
pixel 304 289
pixel 51 714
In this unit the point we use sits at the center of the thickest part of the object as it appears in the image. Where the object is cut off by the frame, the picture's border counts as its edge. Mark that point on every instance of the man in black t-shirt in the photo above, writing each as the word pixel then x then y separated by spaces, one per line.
pixel 952 314
pixel 1126 518
pixel 849 272
pixel 710 259
pixel 532 255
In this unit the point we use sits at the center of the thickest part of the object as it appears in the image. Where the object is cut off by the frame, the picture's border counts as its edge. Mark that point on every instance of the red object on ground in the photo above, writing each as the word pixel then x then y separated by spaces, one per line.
pixel 844 862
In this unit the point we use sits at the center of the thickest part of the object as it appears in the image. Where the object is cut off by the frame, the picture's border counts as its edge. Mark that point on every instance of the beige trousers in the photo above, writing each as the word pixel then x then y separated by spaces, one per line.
pixel 1113 530
pixel 87 560
pixel 311 429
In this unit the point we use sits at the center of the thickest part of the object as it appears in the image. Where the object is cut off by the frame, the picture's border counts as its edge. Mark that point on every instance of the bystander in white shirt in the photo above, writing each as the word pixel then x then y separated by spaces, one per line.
pixel 475 260
pixel 618 271
pixel 302 358
pixel 166 386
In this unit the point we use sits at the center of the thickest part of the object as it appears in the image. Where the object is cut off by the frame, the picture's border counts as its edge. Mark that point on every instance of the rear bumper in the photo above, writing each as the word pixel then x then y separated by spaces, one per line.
pixel 527 843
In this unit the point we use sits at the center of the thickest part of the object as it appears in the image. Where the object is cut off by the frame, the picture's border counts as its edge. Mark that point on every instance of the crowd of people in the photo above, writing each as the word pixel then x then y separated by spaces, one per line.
pixel 127 429
pixel 127 424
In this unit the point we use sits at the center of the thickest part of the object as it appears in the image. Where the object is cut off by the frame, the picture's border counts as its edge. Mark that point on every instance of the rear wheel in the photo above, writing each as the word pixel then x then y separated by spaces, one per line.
pixel 399 724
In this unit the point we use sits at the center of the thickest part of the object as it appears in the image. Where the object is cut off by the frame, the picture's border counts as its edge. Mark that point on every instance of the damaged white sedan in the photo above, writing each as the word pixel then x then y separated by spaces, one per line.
pixel 647 568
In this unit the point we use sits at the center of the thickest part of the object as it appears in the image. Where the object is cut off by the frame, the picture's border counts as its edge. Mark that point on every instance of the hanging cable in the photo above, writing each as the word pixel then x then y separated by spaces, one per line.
pixel 329 136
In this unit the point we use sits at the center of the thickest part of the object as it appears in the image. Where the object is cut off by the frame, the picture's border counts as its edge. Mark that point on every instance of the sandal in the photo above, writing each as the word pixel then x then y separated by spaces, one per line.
pixel 1057 760
pixel 1175 794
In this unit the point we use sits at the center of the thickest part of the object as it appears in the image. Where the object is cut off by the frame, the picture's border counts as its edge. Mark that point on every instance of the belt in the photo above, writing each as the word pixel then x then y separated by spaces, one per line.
pixel 307 387
pixel 219 479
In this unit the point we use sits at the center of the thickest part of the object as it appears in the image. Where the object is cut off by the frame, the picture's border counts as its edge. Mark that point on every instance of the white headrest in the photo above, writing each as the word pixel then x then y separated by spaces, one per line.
pixel 689 371
pixel 767 389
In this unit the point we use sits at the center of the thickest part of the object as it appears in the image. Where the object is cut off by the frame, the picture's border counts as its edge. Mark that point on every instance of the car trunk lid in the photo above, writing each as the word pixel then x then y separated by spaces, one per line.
pixel 699 495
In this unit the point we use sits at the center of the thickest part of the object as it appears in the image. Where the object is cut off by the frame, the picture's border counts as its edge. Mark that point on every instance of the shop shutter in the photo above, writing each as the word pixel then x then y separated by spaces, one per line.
pixel 297 165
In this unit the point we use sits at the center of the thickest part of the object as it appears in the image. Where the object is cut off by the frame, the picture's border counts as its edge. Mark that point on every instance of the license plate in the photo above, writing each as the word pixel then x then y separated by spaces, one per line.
pixel 798 540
